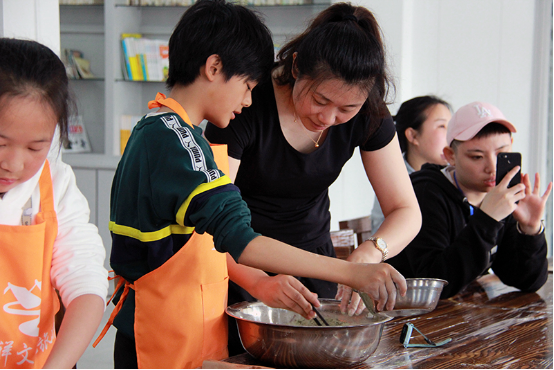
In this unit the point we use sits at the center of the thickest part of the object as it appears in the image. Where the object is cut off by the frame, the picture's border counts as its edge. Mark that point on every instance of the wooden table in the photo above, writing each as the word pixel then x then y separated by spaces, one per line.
pixel 491 326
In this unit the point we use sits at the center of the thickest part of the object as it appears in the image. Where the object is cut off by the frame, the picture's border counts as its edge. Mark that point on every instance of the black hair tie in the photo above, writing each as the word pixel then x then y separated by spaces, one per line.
pixel 351 17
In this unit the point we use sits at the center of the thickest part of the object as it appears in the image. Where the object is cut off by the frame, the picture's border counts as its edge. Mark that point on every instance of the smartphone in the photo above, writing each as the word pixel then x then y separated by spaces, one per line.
pixel 504 163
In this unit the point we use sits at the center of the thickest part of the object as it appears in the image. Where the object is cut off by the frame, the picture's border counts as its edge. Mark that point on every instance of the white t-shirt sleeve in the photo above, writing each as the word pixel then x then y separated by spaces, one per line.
pixel 79 254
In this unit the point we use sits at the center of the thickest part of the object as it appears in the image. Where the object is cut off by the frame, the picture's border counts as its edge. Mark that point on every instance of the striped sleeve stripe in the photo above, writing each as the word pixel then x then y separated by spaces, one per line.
pixel 189 143
pixel 171 229
pixel 150 236
pixel 224 180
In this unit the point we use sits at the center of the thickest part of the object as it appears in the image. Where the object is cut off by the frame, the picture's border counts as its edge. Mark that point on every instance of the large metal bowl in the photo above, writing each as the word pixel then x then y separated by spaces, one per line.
pixel 284 338
pixel 422 297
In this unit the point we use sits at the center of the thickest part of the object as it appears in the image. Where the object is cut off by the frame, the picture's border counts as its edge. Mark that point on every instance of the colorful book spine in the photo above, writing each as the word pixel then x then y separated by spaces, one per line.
pixel 139 43
pixel 129 41
pixel 145 59
pixel 163 50
pixel 129 73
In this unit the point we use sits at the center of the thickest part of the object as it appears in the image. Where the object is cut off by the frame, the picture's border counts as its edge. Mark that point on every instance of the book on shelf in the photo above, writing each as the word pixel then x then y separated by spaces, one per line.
pixel 126 125
pixel 129 44
pixel 163 48
pixel 144 59
pixel 242 2
pixel 83 68
pixel 274 2
pixel 164 2
pixel 77 138
pixel 81 2
pixel 76 66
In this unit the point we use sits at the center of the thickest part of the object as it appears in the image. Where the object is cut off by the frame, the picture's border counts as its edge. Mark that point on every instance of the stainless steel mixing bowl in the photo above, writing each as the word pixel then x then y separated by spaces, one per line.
pixel 284 338
pixel 422 297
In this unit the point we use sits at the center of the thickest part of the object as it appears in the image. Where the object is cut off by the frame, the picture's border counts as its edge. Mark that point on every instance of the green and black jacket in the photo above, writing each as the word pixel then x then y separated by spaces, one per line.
pixel 166 186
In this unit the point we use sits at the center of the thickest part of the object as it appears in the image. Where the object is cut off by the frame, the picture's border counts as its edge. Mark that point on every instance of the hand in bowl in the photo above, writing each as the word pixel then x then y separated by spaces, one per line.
pixel 285 291
pixel 351 302
pixel 380 281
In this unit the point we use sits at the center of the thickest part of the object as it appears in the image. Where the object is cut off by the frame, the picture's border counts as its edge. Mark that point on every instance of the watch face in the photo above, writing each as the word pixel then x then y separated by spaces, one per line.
pixel 381 243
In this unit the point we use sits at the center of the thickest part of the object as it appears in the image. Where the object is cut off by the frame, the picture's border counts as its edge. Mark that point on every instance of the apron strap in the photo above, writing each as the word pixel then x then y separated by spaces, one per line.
pixel 172 104
pixel 46 189
pixel 116 309
pixel 119 284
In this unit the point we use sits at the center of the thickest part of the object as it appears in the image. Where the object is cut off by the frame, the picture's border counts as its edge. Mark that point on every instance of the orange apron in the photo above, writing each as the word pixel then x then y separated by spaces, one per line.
pixel 180 316
pixel 28 299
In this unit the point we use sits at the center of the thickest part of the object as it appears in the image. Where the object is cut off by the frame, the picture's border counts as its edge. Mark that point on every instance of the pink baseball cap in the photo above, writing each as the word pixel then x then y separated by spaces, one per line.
pixel 471 118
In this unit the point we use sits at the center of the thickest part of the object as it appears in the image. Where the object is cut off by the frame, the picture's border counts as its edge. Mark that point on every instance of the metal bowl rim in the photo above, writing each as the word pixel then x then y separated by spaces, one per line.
pixel 444 282
pixel 382 316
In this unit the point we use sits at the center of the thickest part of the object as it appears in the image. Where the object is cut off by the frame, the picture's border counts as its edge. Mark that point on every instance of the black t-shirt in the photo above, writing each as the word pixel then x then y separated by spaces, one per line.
pixel 287 191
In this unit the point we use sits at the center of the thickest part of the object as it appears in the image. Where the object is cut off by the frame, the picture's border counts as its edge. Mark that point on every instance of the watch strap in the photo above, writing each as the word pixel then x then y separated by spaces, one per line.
pixel 384 251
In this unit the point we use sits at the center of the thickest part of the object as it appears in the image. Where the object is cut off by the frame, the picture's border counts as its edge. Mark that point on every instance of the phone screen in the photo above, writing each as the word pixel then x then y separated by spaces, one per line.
pixel 504 163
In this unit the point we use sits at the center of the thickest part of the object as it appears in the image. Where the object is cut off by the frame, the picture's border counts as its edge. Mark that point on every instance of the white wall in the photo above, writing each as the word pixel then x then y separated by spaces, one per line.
pixel 37 20
pixel 352 195
pixel 461 51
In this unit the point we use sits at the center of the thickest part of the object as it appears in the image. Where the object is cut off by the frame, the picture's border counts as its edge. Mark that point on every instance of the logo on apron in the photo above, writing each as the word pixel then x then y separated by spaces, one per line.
pixel 29 301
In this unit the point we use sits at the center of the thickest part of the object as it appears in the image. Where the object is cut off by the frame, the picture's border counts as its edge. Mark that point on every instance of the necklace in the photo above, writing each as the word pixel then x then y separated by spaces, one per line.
pixel 316 142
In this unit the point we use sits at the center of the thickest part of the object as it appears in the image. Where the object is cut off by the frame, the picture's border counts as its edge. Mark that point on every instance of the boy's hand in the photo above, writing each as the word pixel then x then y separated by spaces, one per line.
pixel 530 209
pixel 380 281
pixel 285 291
pixel 500 202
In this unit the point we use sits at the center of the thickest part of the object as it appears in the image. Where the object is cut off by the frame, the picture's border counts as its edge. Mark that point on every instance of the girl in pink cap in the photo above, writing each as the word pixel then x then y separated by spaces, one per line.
pixel 470 224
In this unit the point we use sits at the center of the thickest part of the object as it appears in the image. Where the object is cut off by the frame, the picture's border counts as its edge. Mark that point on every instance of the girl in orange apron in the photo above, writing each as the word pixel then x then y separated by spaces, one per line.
pixel 29 301
pixel 38 252
pixel 191 329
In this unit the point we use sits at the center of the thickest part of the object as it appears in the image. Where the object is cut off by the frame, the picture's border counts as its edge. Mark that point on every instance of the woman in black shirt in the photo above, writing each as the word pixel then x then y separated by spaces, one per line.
pixel 325 98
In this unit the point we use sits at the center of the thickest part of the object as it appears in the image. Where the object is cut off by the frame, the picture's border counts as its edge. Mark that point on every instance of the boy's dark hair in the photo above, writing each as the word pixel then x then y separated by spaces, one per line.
pixel 27 68
pixel 493 128
pixel 412 113
pixel 344 42
pixel 231 31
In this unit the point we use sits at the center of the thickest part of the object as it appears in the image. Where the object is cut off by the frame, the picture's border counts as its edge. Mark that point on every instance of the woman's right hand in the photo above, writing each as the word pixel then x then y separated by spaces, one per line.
pixel 380 281
pixel 285 291
pixel 351 302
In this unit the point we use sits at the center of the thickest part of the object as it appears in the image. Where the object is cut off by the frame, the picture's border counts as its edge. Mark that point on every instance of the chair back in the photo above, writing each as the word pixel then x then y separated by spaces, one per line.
pixel 360 225
pixel 344 242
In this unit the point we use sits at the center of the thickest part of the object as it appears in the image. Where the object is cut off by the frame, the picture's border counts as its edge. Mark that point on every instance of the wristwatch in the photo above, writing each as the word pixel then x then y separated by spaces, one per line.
pixel 381 246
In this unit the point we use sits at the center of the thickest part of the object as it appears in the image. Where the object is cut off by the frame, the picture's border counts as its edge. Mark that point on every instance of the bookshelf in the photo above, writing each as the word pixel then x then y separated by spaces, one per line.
pixel 96 30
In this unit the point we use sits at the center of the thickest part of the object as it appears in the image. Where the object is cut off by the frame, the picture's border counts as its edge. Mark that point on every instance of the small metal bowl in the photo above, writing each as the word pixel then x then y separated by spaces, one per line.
pixel 422 297
pixel 284 338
